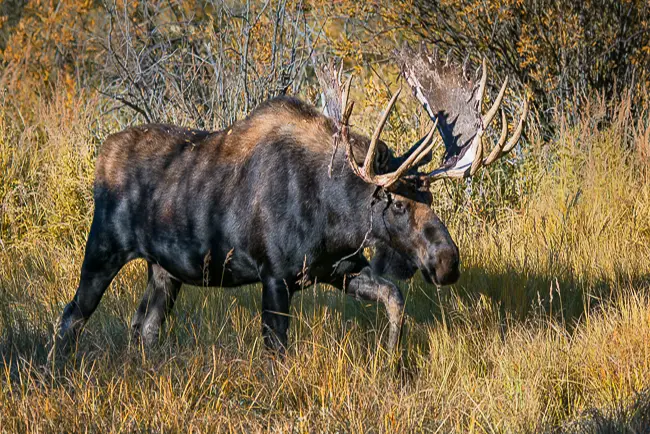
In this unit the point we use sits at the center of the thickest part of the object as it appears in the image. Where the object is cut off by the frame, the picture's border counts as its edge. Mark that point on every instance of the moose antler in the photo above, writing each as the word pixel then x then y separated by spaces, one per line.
pixel 456 104
pixel 334 92
pixel 339 108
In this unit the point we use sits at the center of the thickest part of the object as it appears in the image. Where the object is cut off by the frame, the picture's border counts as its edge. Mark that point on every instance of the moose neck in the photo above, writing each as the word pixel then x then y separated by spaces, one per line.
pixel 351 218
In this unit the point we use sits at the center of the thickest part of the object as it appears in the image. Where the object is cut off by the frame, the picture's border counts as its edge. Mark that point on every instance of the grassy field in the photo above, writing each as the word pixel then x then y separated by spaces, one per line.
pixel 547 330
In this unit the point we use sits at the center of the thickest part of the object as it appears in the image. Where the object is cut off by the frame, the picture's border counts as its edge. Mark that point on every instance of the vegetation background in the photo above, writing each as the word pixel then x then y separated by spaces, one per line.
pixel 548 328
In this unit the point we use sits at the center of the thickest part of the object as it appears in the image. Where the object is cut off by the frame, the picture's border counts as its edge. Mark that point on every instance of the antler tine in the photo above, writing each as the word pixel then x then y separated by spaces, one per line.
pixel 477 143
pixel 412 161
pixel 481 87
pixel 520 127
pixel 348 147
pixel 498 149
pixel 344 127
pixel 368 164
pixel 495 106
pixel 340 73
pixel 349 152
pixel 345 95
pixel 422 150
pixel 478 156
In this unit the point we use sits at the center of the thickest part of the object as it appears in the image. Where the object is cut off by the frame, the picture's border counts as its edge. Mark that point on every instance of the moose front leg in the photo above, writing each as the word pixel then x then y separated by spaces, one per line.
pixel 368 285
pixel 276 299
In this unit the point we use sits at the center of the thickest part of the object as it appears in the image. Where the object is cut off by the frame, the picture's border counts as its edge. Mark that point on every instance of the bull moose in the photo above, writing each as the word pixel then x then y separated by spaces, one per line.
pixel 275 199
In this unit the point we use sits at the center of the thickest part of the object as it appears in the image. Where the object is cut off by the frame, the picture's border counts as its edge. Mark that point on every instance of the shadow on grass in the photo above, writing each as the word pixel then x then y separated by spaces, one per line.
pixel 629 418
pixel 517 295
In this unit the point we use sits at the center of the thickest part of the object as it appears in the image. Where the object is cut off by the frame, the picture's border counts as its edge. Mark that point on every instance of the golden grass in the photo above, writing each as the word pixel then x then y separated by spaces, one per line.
pixel 548 329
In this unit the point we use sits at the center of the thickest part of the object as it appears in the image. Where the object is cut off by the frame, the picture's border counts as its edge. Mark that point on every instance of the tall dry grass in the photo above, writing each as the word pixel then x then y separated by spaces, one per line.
pixel 548 329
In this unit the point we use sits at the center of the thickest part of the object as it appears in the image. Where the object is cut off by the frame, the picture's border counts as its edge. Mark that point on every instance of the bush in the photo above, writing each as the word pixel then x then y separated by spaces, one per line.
pixel 564 50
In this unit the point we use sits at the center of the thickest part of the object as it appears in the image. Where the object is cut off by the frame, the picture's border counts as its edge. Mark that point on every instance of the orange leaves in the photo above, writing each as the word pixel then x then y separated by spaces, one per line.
pixel 45 39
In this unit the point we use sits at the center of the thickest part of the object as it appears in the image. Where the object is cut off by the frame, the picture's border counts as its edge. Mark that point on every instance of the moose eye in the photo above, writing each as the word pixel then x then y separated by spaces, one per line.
pixel 399 206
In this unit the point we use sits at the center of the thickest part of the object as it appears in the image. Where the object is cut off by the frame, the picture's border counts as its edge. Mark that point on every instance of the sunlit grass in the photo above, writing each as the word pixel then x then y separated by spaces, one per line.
pixel 549 327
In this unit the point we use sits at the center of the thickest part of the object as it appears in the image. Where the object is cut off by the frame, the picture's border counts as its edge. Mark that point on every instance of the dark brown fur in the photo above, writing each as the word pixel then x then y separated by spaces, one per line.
pixel 277 119
pixel 258 201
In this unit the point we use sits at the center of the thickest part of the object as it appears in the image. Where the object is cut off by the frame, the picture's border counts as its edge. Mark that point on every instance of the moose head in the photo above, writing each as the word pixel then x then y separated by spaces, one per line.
pixel 410 235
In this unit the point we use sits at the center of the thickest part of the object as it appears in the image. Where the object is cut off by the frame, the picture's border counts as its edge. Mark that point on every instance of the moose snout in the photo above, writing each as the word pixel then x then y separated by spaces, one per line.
pixel 446 266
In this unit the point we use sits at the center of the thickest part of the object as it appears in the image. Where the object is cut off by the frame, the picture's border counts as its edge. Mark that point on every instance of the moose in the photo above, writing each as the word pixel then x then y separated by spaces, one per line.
pixel 285 196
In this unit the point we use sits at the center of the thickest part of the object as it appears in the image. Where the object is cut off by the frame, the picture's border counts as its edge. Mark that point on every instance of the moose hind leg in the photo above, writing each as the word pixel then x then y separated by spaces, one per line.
pixel 156 304
pixel 369 286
